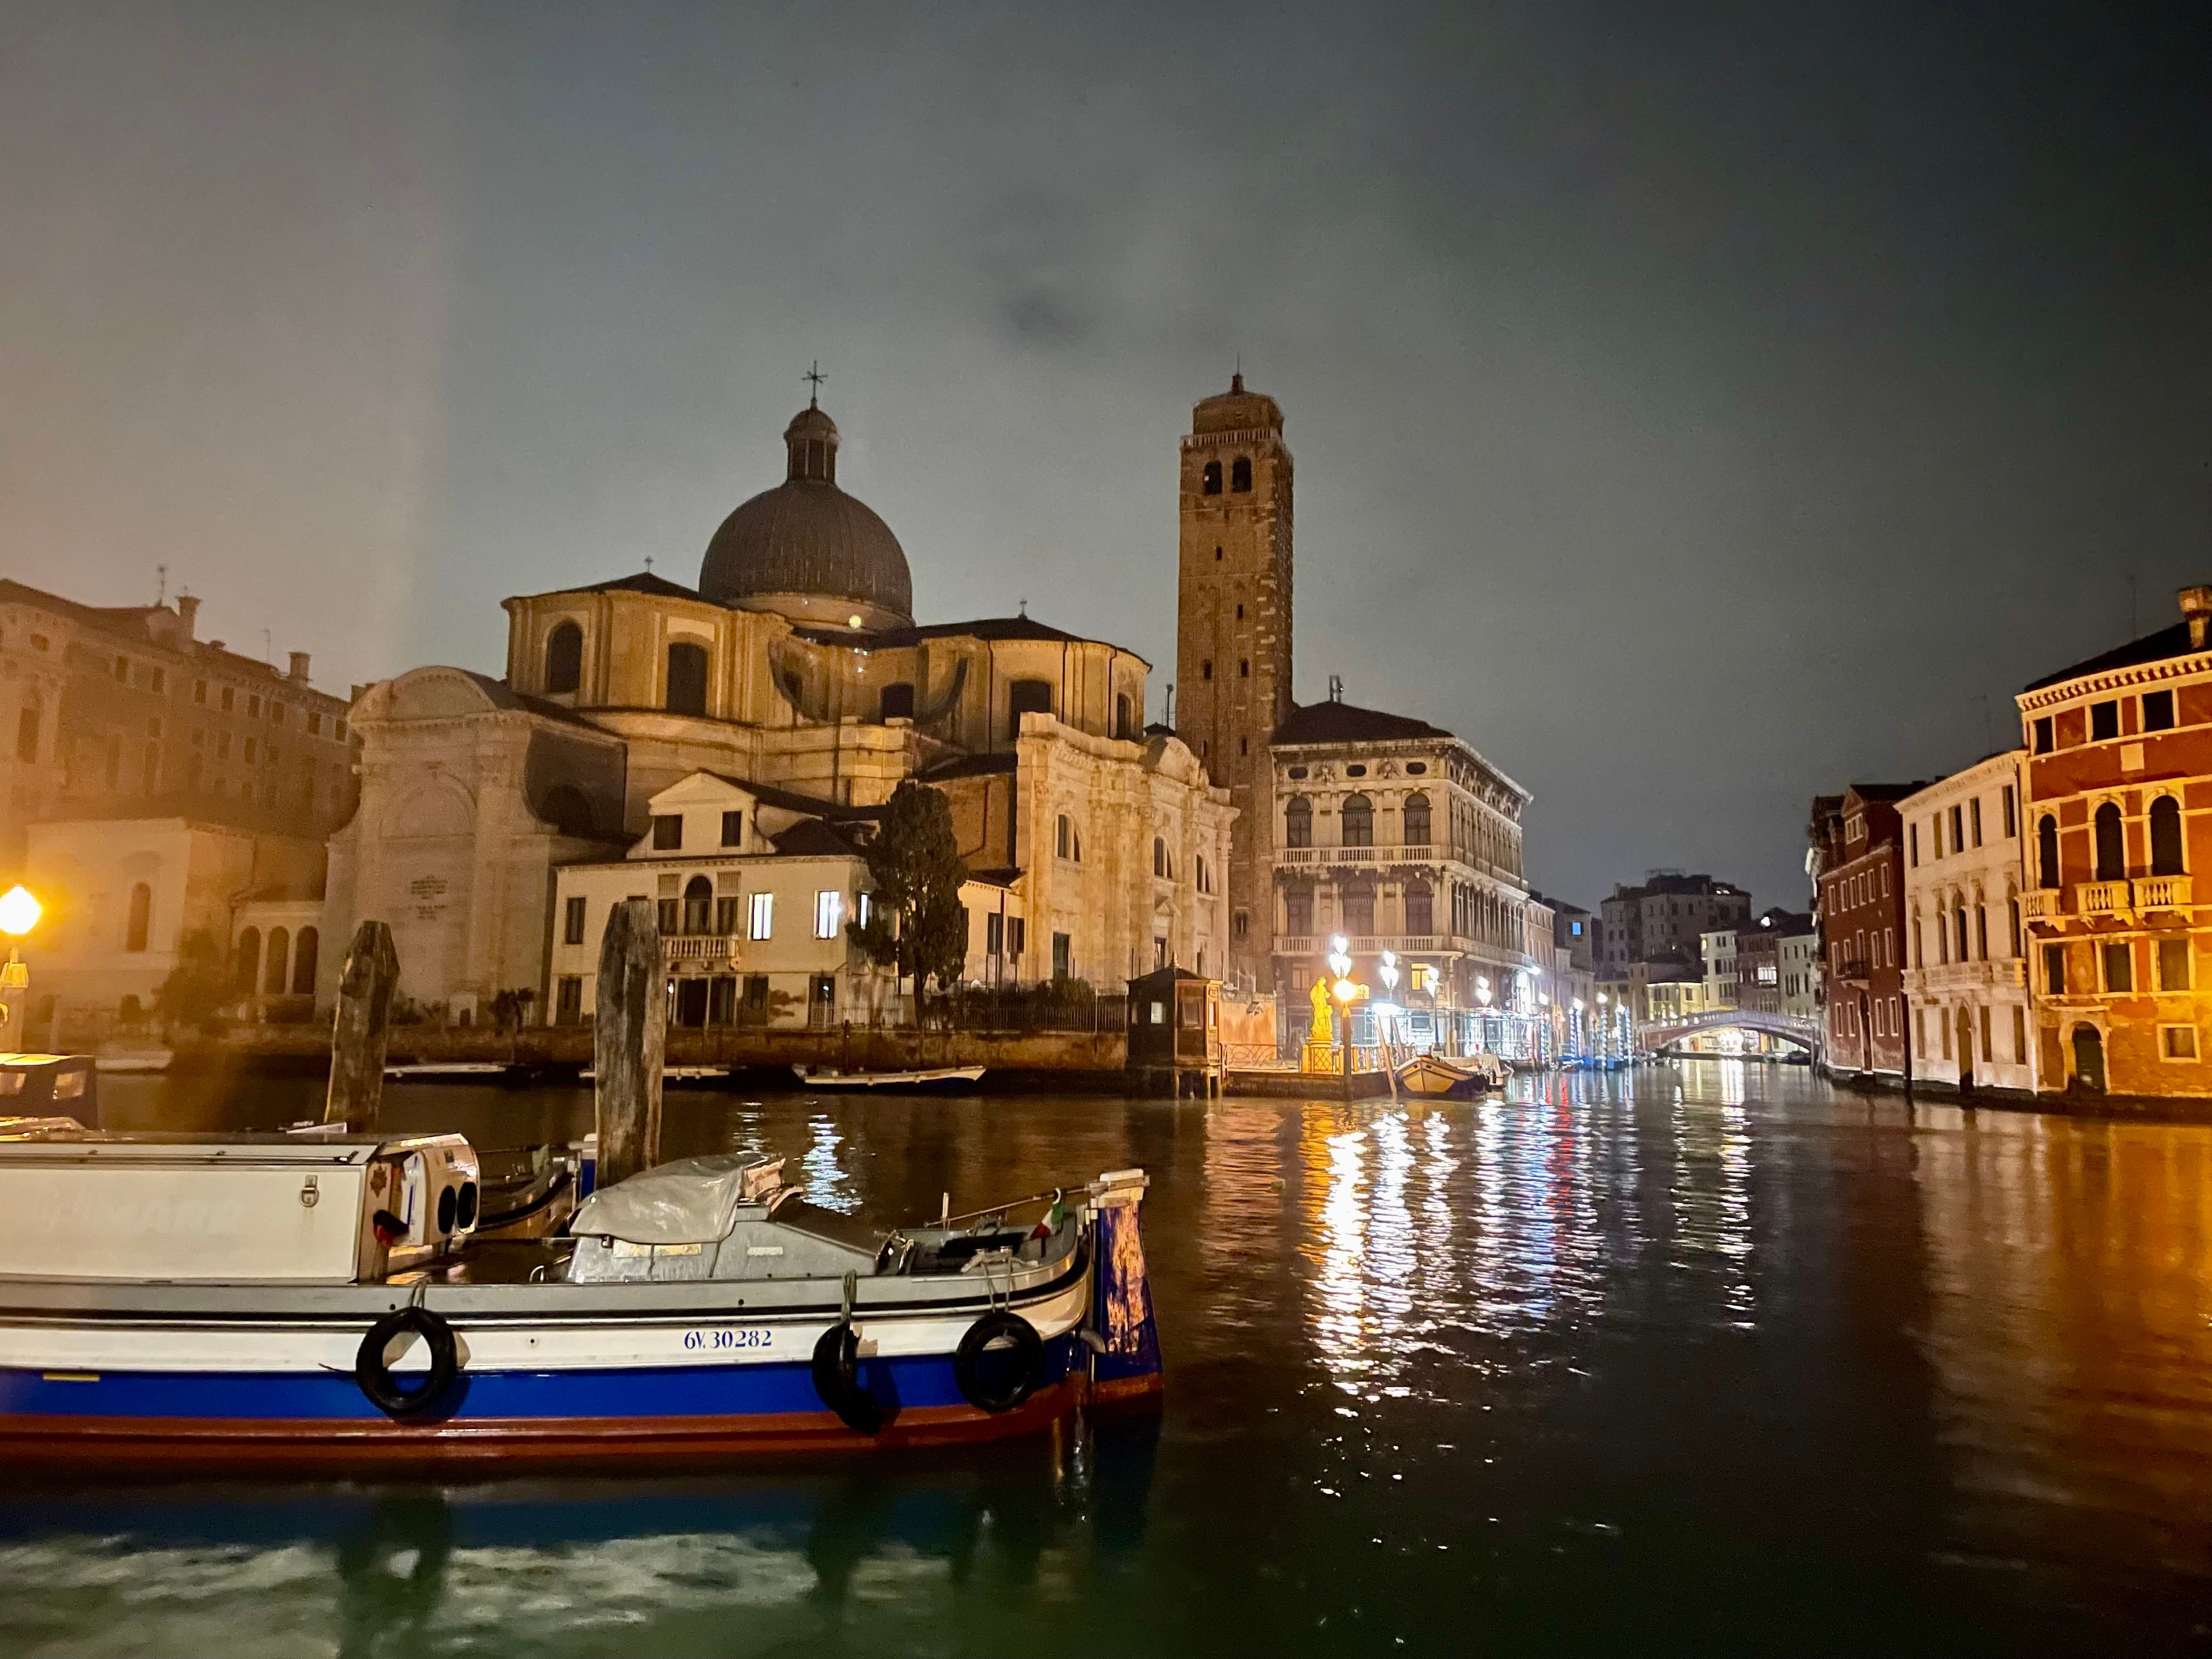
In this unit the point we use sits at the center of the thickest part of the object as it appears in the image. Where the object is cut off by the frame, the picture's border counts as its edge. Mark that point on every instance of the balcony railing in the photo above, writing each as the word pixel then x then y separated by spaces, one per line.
pixel 2042 904
pixel 2163 893
pixel 2107 898
pixel 1423 855
pixel 700 947
pixel 1307 945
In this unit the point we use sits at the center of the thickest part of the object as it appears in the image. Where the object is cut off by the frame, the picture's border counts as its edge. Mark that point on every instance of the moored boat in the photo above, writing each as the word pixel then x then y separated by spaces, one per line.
pixel 1464 1079
pixel 272 1298
pixel 929 1077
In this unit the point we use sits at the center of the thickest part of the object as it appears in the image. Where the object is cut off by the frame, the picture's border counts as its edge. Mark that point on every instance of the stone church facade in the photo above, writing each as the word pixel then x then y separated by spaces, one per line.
pixel 795 667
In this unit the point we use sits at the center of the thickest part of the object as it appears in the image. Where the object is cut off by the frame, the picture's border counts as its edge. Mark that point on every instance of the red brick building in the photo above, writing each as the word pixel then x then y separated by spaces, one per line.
pixel 2117 793
pixel 1858 873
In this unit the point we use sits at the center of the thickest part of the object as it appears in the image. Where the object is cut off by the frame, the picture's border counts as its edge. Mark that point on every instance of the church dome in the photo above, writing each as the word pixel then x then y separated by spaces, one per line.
pixel 807 550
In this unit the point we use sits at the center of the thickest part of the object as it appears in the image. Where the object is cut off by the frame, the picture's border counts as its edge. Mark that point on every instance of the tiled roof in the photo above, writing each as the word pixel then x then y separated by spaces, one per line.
pixel 1345 722
pixel 2152 647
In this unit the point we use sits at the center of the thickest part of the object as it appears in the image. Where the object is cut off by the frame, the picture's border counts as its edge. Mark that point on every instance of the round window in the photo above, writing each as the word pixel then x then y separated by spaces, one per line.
pixel 1355 771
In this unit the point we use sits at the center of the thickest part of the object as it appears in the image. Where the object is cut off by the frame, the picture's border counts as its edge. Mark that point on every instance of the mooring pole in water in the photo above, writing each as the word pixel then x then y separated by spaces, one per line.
pixel 358 1031
pixel 629 1041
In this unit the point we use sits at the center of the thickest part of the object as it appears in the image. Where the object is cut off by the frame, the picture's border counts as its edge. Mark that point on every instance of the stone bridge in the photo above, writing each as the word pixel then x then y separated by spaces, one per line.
pixel 1796 1028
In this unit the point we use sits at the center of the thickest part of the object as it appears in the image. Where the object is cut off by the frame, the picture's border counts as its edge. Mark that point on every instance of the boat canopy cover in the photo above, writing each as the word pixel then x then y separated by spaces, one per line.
pixel 694 1200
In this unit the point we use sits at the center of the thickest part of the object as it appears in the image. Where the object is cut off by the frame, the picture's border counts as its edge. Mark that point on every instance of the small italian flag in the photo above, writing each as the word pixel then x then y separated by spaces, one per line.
pixel 1053 1218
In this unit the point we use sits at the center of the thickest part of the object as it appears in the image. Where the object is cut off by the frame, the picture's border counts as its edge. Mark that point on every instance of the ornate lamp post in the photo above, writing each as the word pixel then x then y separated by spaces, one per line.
pixel 1604 1025
pixel 1346 992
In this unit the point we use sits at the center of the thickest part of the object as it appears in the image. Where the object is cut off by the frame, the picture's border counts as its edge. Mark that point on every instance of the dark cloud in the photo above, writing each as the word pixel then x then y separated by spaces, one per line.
pixel 1694 410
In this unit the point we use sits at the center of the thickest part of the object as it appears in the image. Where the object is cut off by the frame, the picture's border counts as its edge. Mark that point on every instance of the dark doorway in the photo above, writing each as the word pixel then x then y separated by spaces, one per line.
pixel 1965 1052
pixel 2089 1059
pixel 691 1002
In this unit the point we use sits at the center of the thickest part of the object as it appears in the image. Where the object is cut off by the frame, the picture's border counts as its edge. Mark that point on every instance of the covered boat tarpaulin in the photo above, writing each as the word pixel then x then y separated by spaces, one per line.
pixel 694 1200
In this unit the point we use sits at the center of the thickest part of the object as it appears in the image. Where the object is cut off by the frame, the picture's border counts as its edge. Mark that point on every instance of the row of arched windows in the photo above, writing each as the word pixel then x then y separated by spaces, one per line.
pixel 286 962
pixel 1355 821
pixel 1962 930
pixel 685 691
pixel 2108 843
pixel 1474 914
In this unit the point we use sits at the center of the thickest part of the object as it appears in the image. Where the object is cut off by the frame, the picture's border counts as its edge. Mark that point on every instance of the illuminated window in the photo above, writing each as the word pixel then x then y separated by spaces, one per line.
pixel 762 919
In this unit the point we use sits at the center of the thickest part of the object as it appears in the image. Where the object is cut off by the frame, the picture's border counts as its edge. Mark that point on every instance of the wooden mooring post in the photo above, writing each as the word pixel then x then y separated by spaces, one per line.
pixel 629 1034
pixel 363 1023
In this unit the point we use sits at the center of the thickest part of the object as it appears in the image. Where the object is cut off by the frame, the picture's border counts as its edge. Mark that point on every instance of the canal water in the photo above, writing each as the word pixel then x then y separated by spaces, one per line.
pixel 1706 1358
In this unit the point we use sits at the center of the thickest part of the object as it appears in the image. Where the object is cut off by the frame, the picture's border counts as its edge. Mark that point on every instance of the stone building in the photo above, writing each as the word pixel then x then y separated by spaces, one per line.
pixel 1858 873
pixel 1661 918
pixel 2117 806
pixel 114 712
pixel 794 667
pixel 157 787
pixel 1400 836
pixel 1967 978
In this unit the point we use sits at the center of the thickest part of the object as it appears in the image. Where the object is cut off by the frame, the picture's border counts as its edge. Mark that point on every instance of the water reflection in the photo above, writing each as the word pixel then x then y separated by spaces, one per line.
pixel 757 1564
pixel 1705 1357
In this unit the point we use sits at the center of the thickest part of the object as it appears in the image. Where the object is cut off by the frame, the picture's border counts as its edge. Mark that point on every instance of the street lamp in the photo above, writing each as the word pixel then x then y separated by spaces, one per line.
pixel 1604 1025
pixel 1345 991
pixel 19 914
pixel 1387 971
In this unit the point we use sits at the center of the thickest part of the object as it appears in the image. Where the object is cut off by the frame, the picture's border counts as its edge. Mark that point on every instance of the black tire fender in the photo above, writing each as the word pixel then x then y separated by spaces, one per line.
pixel 837 1379
pixel 1015 1374
pixel 375 1377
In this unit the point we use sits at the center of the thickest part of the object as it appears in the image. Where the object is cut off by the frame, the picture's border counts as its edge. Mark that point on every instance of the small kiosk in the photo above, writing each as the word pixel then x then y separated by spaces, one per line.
pixel 1175 1033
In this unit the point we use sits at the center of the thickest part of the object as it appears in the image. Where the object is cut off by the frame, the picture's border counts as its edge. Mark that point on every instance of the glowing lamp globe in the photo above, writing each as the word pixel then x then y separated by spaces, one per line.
pixel 19 912
pixel 1346 990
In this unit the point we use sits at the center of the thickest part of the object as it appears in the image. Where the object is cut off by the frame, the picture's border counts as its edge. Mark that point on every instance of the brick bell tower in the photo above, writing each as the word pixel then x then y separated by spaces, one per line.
pixel 1233 639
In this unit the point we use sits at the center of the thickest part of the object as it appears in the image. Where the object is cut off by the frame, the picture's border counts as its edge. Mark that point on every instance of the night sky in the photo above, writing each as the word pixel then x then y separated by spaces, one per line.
pixel 1693 410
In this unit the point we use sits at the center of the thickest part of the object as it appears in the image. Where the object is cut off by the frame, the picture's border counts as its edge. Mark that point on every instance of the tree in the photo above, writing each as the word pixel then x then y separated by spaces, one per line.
pixel 197 987
pixel 915 922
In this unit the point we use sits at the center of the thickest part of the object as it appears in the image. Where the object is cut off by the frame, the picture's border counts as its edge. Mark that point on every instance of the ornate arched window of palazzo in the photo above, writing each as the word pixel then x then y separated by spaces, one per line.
pixel 1298 821
pixel 1417 827
pixel 2111 844
pixel 1358 822
pixel 2046 852
pixel 2165 837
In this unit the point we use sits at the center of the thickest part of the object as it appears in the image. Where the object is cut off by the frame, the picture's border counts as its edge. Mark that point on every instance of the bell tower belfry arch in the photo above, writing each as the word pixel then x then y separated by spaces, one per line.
pixel 1233 637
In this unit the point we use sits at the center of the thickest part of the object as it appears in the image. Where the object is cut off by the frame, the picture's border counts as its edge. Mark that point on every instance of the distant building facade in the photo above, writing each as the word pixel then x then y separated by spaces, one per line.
pixel 2117 800
pixel 1858 871
pixel 1662 918
pixel 1967 978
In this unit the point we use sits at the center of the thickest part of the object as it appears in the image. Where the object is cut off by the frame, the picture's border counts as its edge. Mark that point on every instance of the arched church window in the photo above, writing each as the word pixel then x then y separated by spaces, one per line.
pixel 698 905
pixel 687 678
pixel 1121 715
pixel 1240 475
pixel 1210 480
pixel 1060 836
pixel 1358 824
pixel 564 658
pixel 306 951
pixel 2165 837
pixel 1417 830
pixel 1159 857
pixel 2112 851
pixel 140 919
pixel 2046 852
pixel 1297 824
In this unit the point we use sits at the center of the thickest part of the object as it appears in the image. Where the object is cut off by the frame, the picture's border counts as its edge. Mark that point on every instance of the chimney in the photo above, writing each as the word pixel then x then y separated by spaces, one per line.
pixel 2197 612
pixel 188 609
pixel 300 667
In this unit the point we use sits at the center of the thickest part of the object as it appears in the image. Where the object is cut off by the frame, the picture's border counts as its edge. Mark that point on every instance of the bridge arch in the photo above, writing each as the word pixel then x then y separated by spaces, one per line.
pixel 1797 1030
